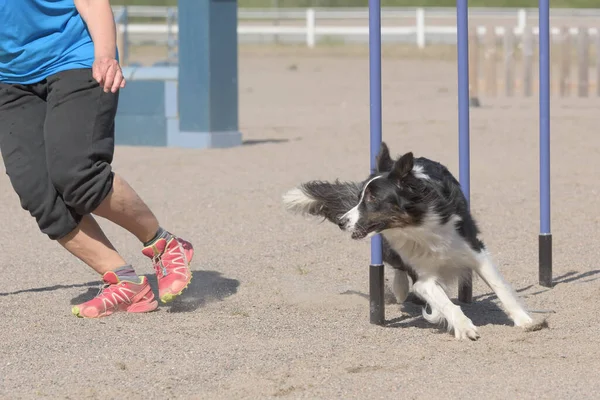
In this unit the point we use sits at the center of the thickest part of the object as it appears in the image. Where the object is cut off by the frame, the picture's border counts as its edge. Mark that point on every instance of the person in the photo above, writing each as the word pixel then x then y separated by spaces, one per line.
pixel 59 87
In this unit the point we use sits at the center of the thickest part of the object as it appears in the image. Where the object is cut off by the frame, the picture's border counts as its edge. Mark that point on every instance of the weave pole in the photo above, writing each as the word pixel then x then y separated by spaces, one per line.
pixel 545 236
pixel 377 307
pixel 465 288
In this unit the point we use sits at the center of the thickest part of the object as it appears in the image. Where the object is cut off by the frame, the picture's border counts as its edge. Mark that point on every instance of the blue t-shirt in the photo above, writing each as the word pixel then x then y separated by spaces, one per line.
pixel 41 37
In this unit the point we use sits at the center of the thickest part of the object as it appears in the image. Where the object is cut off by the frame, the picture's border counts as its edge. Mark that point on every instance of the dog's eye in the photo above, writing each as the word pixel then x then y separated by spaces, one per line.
pixel 369 197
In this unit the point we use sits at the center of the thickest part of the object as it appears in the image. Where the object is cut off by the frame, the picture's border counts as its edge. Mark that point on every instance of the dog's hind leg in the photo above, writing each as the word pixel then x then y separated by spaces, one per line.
pixel 400 286
pixel 430 291
pixel 505 292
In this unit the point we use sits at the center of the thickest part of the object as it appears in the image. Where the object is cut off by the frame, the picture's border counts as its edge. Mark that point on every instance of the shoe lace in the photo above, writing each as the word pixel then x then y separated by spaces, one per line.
pixel 158 265
pixel 104 287
pixel 173 252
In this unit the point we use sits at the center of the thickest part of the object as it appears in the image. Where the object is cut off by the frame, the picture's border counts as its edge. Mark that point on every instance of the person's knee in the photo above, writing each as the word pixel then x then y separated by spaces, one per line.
pixel 83 184
pixel 40 199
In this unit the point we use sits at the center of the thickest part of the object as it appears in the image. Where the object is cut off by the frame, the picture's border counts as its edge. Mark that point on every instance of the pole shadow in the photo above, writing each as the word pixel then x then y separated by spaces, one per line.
pixel 252 142
pixel 573 276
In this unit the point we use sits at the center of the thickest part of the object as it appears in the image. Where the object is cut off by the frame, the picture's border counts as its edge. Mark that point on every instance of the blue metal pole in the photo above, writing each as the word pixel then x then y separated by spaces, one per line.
pixel 465 291
pixel 377 310
pixel 545 237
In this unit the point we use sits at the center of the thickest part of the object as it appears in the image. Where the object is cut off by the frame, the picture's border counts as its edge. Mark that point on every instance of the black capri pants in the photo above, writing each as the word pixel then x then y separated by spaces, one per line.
pixel 57 144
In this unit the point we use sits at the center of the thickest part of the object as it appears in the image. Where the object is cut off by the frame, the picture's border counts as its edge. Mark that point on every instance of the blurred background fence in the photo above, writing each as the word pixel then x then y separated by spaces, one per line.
pixel 503 40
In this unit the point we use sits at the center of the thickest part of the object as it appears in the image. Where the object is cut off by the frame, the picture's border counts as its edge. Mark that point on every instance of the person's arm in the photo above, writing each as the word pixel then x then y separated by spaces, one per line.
pixel 99 18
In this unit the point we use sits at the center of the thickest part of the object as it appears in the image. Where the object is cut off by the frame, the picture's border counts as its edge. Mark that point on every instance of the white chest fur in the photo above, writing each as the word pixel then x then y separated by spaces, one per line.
pixel 431 247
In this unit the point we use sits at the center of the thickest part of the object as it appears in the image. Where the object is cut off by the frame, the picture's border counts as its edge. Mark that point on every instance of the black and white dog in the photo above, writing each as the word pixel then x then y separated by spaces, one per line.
pixel 428 232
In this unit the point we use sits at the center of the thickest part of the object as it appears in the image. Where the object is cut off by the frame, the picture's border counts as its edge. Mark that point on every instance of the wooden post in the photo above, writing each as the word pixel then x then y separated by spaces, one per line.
pixel 527 61
pixel 122 21
pixel 564 82
pixel 509 62
pixel 583 60
pixel 474 68
pixel 491 84
pixel 120 42
pixel 208 74
pixel 598 62
pixel 551 65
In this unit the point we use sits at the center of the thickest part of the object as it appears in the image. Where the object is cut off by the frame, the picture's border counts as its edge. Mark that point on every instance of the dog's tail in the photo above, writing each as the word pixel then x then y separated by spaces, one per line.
pixel 324 199
pixel 435 316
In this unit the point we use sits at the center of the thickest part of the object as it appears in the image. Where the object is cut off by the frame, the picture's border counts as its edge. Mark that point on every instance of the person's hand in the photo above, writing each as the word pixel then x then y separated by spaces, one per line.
pixel 107 72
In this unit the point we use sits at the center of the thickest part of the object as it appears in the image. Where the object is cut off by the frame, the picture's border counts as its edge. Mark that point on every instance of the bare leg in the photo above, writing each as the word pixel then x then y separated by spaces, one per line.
pixel 88 243
pixel 125 208
pixel 170 255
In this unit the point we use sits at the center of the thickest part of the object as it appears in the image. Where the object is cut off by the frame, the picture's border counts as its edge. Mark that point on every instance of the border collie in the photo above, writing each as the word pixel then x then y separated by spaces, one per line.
pixel 429 236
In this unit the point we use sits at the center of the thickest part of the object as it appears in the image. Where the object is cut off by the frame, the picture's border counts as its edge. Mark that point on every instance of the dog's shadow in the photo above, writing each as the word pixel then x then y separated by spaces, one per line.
pixel 483 310
pixel 205 287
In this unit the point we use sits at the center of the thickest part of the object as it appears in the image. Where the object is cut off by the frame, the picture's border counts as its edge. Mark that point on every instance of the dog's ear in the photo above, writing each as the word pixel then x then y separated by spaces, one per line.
pixel 403 166
pixel 384 161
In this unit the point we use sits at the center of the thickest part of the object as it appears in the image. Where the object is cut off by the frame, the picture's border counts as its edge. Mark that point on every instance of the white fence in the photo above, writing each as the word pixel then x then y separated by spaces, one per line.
pixel 362 13
pixel 305 25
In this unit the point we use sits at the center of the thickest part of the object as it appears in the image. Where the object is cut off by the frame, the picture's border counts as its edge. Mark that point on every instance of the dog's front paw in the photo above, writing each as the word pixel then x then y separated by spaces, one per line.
pixel 535 325
pixel 522 320
pixel 464 328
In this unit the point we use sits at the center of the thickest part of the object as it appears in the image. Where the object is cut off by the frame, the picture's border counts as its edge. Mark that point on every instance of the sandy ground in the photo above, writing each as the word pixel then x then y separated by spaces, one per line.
pixel 278 307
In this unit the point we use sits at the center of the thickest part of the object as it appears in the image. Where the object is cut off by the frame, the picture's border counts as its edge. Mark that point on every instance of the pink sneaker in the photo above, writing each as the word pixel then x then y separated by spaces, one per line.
pixel 171 259
pixel 118 295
